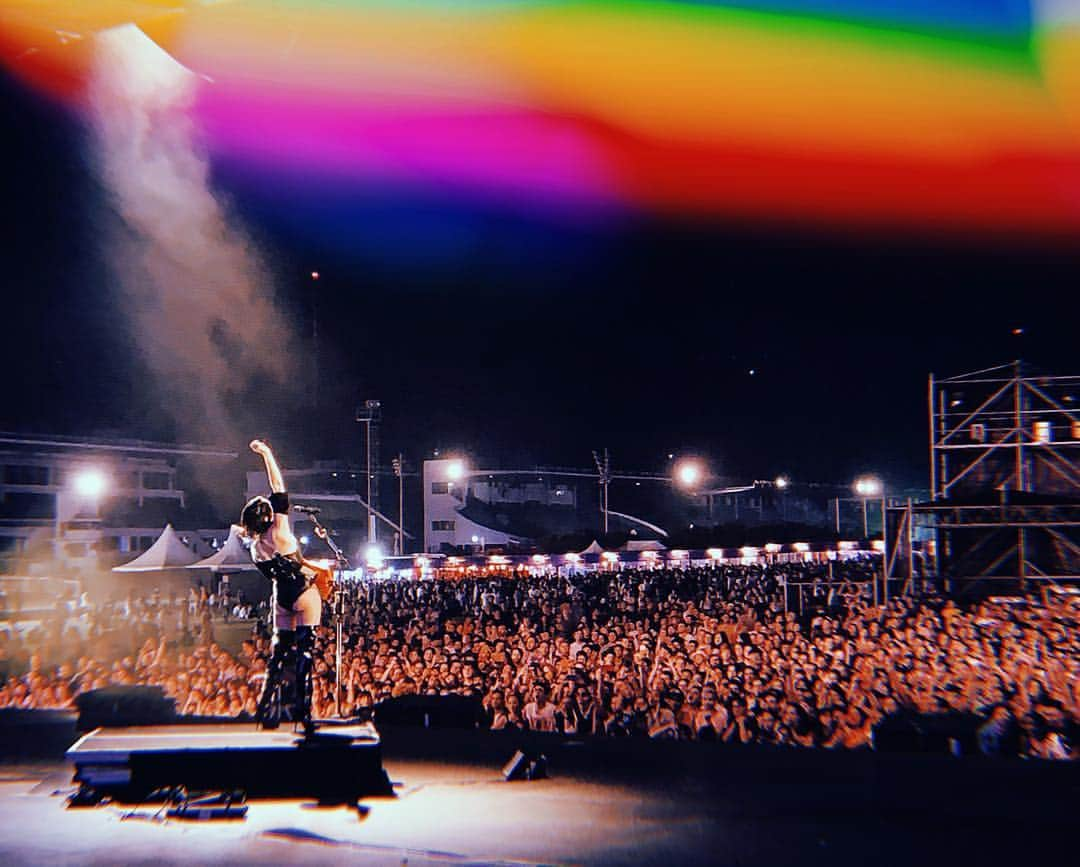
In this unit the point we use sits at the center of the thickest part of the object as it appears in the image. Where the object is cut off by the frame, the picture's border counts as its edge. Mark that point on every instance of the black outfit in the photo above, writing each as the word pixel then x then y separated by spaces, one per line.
pixel 285 573
pixel 283 570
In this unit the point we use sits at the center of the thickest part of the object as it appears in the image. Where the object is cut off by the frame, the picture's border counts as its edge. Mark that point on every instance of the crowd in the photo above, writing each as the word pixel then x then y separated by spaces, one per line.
pixel 707 654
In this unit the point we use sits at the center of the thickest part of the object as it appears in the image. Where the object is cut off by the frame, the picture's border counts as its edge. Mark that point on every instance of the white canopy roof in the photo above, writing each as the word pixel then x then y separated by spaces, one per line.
pixel 231 557
pixel 167 552
pixel 594 548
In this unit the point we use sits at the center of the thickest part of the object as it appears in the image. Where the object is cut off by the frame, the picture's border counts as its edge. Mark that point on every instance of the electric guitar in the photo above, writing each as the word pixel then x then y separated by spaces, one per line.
pixel 321 574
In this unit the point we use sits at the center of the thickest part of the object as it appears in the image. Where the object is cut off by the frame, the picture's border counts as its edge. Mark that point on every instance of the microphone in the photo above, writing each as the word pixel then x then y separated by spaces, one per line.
pixel 307 510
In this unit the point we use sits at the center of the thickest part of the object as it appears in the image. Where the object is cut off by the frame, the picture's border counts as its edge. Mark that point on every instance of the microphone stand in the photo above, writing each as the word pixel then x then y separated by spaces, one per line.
pixel 338 605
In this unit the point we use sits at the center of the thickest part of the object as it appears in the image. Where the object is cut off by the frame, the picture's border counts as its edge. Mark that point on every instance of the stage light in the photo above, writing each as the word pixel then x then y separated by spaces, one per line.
pixel 90 482
pixel 773 547
pixel 679 555
pixel 715 553
pixel 689 473
pixel 610 556
pixel 868 486
pixel 573 558
pixel 781 482
pixel 748 551
pixel 373 556
pixel 539 559
pixel 455 470
pixel 801 547
pixel 314 275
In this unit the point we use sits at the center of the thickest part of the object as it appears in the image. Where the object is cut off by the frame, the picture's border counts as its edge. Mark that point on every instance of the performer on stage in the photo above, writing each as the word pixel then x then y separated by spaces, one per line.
pixel 297 604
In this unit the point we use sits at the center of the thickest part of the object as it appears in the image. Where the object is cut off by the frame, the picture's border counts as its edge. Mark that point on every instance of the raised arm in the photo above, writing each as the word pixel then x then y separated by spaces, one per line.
pixel 273 471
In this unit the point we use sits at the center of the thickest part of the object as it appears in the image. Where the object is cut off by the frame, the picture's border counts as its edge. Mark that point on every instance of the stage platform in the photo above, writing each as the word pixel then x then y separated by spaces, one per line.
pixel 341 762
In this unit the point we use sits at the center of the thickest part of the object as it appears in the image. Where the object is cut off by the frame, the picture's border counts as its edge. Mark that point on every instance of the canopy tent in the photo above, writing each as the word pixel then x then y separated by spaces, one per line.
pixel 594 548
pixel 167 552
pixel 231 557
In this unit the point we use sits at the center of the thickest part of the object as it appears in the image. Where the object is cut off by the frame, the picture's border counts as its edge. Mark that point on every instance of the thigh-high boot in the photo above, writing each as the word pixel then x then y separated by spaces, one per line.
pixel 268 714
pixel 305 646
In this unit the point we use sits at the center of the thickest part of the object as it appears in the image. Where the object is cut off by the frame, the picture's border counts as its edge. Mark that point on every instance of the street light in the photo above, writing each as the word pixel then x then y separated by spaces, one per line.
pixel 781 483
pixel 87 485
pixel 867 487
pixel 689 473
pixel 90 483
pixel 455 470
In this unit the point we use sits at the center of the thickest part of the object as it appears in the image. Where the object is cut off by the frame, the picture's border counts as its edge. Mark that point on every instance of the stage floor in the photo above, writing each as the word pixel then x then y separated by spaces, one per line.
pixel 450 813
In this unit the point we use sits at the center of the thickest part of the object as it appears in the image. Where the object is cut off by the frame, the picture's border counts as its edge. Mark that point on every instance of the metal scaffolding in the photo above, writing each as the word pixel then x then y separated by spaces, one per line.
pixel 1004 481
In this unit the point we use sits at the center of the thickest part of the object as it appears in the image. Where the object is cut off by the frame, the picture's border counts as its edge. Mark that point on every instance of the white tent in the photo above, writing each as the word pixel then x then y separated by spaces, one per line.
pixel 231 557
pixel 594 548
pixel 167 552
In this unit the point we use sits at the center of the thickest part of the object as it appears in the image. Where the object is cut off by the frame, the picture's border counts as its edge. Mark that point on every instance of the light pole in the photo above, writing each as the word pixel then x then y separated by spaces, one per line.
pixel 781 483
pixel 369 414
pixel 88 485
pixel 689 474
pixel 867 487
pixel 399 471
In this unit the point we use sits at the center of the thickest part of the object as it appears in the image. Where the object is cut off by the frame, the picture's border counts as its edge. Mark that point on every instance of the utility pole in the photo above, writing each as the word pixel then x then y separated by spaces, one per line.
pixel 399 536
pixel 603 467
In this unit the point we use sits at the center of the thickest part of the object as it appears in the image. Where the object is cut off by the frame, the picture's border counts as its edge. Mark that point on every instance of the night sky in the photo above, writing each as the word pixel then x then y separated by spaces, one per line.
pixel 531 341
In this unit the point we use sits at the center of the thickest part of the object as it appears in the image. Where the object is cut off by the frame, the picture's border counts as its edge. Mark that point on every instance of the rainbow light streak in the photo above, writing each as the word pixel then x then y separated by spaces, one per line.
pixel 962 115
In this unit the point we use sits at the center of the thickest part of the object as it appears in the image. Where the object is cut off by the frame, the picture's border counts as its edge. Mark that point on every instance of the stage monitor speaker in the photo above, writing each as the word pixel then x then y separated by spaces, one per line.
pixel 953 733
pixel 430 711
pixel 523 767
pixel 125 706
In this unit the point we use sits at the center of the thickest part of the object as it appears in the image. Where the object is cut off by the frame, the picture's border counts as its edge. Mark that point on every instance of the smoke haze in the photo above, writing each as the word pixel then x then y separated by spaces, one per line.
pixel 198 300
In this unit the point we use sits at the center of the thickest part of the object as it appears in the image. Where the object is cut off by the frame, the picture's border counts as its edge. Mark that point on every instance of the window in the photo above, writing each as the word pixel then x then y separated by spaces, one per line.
pixel 443 526
pixel 19 474
pixel 440 487
pixel 21 506
pixel 155 481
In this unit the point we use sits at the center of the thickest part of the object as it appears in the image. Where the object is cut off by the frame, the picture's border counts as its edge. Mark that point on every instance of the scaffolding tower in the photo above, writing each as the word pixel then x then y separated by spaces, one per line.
pixel 1004 482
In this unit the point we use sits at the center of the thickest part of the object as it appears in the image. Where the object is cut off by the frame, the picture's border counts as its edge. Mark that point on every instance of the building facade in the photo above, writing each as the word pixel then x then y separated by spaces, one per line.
pixel 73 504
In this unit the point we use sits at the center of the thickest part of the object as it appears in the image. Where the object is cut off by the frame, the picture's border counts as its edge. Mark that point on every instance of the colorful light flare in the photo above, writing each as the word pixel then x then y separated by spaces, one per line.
pixel 959 113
